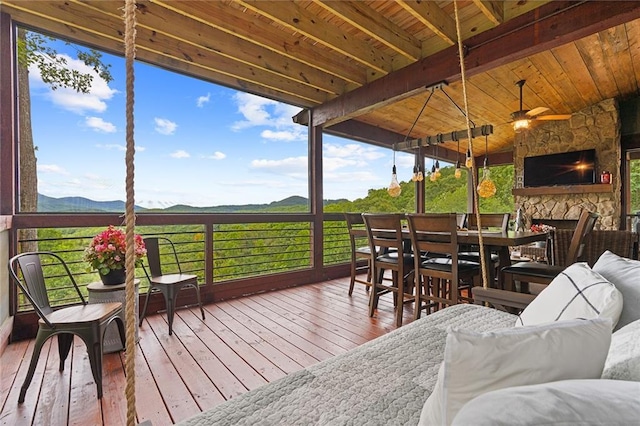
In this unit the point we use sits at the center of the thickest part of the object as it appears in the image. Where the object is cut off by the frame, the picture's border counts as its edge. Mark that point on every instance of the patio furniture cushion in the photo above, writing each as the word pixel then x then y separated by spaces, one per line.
pixel 382 382
pixel 566 402
pixel 475 363
pixel 577 292
pixel 625 275
pixel 623 360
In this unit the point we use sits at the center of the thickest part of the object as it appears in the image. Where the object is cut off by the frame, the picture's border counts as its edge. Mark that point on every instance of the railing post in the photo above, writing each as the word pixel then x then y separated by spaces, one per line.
pixel 316 195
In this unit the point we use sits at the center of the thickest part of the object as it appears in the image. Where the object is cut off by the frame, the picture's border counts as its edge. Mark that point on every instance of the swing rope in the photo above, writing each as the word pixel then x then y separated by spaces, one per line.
pixel 130 294
pixel 474 176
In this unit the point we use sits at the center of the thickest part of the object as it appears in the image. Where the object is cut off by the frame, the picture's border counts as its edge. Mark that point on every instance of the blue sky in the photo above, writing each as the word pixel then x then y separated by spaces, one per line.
pixel 196 143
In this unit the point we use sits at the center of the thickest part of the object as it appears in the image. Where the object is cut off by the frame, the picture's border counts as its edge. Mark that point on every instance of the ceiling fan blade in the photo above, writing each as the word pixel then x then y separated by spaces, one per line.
pixel 552 117
pixel 537 111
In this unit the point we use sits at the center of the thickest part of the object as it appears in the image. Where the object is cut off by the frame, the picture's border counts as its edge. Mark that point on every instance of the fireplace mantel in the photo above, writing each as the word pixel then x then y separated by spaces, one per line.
pixel 563 189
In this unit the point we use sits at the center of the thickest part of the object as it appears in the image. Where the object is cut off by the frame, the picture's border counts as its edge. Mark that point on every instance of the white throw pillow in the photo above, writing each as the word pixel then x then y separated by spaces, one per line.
pixel 577 292
pixel 623 361
pixel 567 402
pixel 475 363
pixel 625 275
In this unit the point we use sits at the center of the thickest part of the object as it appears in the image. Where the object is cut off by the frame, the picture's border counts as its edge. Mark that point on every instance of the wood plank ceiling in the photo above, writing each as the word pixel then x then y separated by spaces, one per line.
pixel 364 66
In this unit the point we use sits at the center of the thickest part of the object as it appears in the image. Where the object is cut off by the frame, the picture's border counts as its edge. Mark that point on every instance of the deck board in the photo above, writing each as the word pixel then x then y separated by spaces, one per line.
pixel 242 344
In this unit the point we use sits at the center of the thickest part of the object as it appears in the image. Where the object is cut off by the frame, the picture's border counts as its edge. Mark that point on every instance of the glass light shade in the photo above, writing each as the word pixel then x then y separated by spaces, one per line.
pixel 432 177
pixel 420 177
pixel 486 187
pixel 394 188
pixel 458 172
pixel 469 161
pixel 520 125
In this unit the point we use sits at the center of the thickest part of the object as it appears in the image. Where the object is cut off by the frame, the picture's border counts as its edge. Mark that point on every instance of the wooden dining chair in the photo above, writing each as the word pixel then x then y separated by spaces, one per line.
pixel 438 279
pixel 359 252
pixel 167 284
pixel 489 222
pixel 87 321
pixel 384 232
pixel 543 273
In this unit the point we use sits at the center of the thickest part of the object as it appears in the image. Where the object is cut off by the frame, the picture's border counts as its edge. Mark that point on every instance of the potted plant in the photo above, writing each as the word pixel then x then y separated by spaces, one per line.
pixel 106 254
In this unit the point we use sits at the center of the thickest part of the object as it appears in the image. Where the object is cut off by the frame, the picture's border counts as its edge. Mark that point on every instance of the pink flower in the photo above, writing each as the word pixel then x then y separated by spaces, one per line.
pixel 107 250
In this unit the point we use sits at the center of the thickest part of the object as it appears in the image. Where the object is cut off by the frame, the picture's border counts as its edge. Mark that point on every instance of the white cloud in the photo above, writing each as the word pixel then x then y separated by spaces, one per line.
pixel 99 125
pixel 283 135
pixel 203 100
pixel 288 166
pixel 69 99
pixel 276 116
pixel 180 154
pixel 164 126
pixel 52 168
pixel 353 150
pixel 217 156
pixel 111 146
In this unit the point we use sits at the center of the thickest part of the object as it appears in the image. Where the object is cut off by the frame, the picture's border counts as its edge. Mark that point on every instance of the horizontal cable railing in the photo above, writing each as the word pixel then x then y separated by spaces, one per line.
pixel 249 247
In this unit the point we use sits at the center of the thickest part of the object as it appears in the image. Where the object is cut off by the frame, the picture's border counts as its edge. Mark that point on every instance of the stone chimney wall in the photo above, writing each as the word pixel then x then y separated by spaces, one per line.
pixel 596 127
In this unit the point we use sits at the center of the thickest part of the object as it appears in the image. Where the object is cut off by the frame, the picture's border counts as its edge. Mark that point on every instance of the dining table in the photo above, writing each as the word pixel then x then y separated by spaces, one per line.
pixel 493 241
pixel 499 242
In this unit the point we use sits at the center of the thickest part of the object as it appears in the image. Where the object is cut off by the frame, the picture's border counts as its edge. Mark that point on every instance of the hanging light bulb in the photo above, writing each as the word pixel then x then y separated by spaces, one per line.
pixel 420 177
pixel 438 174
pixel 458 172
pixel 432 176
pixel 415 174
pixel 469 161
pixel 486 187
pixel 394 188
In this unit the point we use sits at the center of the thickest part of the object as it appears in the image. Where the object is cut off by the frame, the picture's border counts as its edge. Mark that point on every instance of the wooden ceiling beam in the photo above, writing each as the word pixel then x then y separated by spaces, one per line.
pixel 162 50
pixel 242 25
pixel 551 25
pixel 376 26
pixel 304 22
pixel 434 18
pixel 492 9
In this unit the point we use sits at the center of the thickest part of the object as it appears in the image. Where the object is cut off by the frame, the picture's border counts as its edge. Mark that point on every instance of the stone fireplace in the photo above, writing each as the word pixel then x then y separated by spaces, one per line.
pixel 596 127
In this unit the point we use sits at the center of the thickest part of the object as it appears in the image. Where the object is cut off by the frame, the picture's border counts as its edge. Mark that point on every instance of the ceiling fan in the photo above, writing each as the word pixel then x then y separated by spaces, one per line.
pixel 522 118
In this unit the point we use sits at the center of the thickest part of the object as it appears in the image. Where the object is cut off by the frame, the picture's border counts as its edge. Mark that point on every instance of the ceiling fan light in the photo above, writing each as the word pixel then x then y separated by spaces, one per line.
pixel 521 124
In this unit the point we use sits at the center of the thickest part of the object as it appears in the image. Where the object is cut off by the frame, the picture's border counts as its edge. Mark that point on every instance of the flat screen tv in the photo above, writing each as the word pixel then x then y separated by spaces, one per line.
pixel 565 168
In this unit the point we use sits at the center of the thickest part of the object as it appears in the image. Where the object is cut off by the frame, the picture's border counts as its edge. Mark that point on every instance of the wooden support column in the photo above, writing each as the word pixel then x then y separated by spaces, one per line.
pixel 316 196
pixel 419 162
pixel 8 120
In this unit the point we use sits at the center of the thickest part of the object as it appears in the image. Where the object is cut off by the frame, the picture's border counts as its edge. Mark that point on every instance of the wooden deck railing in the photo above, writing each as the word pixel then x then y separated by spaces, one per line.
pixel 232 254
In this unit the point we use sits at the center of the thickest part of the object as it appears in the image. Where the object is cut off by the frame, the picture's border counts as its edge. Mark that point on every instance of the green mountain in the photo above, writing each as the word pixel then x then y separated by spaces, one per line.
pixel 84 205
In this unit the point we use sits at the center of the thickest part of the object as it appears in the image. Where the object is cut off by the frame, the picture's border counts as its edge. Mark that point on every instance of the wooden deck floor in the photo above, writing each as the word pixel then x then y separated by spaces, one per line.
pixel 242 344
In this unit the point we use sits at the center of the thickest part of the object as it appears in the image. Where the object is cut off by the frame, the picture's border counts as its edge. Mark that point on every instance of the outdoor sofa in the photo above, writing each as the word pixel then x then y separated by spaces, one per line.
pixel 571 357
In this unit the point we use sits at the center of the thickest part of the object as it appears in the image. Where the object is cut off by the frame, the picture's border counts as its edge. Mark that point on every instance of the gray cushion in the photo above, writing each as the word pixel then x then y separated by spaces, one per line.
pixel 625 275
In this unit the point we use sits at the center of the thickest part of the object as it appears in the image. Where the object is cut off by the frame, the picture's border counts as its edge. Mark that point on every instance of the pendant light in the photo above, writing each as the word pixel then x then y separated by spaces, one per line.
pixel 458 172
pixel 394 188
pixel 486 187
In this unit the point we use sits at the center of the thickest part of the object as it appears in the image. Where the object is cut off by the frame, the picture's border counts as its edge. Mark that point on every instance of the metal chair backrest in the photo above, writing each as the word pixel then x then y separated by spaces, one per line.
pixel 489 220
pixel 29 265
pixel 583 228
pixel 154 257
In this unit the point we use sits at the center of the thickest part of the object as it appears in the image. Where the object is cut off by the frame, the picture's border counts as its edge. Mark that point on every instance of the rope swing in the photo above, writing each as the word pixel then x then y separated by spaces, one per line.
pixel 474 177
pixel 130 294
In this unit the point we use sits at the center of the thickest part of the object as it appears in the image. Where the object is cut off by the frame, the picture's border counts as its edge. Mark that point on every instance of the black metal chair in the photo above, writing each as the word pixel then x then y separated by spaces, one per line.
pixel 87 321
pixel 167 284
